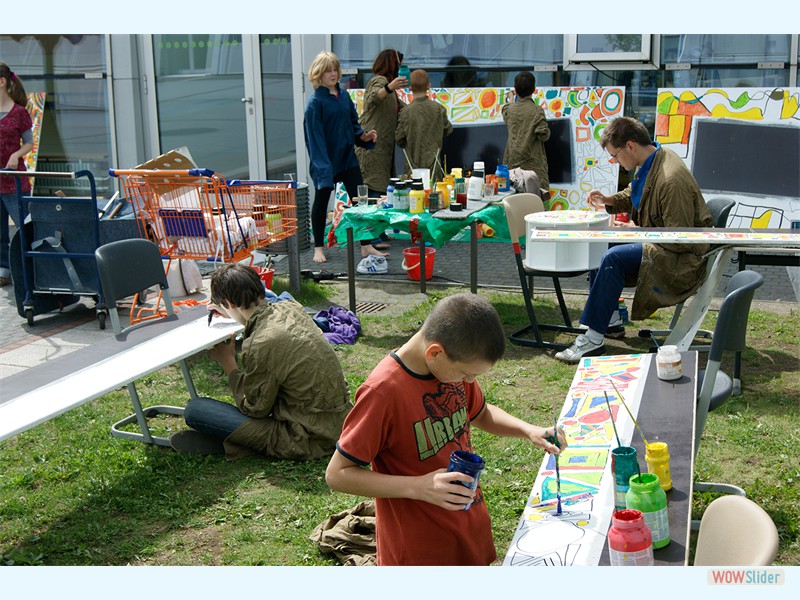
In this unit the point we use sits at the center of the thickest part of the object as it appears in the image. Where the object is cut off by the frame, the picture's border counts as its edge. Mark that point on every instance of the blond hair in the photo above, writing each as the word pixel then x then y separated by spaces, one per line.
pixel 419 81
pixel 323 62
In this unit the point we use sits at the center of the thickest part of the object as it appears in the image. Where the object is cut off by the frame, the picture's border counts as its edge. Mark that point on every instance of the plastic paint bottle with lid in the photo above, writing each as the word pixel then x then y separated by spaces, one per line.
pixel 630 543
pixel 469 463
pixel 668 363
pixel 647 496
pixel 503 183
pixel 416 201
pixel 624 465
pixel 401 198
pixel 657 457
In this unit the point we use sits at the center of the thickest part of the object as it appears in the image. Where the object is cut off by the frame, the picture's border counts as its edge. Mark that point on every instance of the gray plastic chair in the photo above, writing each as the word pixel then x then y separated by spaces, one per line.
pixel 127 267
pixel 730 334
pixel 735 531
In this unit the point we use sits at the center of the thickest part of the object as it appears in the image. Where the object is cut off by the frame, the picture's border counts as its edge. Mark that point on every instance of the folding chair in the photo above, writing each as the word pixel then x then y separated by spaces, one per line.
pixel 127 267
pixel 517 206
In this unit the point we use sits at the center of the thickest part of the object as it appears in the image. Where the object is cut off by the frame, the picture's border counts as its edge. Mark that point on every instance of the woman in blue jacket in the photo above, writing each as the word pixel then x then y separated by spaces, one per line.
pixel 331 129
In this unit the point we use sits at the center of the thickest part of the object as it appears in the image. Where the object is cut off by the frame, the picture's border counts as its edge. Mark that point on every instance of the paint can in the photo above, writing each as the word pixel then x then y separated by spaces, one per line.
pixel 469 464
pixel 623 465
pixel 630 543
pixel 657 456
pixel 645 494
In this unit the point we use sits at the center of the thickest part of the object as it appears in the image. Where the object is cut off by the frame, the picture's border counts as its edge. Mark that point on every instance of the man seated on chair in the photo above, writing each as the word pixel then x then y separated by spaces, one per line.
pixel 663 193
pixel 291 395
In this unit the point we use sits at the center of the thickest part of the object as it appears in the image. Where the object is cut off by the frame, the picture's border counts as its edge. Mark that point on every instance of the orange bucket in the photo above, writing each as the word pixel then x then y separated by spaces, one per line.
pixel 411 262
pixel 265 275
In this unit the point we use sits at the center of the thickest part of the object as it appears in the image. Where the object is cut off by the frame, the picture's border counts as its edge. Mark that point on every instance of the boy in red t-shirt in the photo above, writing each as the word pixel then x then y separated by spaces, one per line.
pixel 413 410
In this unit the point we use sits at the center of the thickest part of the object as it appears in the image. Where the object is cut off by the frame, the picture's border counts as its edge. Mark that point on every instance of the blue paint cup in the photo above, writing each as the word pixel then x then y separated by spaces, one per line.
pixel 469 464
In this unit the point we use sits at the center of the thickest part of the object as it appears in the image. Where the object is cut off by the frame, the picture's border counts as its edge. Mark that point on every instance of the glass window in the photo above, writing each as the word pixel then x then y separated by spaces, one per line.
pixel 616 47
pixel 703 49
pixel 199 86
pixel 276 86
pixel 455 60
pixel 71 70
pixel 727 77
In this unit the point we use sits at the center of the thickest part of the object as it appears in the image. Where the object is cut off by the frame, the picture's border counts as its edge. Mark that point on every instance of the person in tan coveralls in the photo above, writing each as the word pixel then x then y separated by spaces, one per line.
pixel 422 125
pixel 527 130
pixel 291 395
pixel 381 108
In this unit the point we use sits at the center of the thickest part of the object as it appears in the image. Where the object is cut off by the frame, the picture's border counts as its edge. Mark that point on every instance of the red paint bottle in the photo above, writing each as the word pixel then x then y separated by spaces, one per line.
pixel 630 543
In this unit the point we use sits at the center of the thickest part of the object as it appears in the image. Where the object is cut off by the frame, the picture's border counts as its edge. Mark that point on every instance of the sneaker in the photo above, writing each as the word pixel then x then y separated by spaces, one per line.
pixel 582 347
pixel 372 265
pixel 616 328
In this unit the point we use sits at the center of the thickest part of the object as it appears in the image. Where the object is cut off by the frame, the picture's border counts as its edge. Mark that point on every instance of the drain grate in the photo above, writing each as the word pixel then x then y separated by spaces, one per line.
pixel 370 307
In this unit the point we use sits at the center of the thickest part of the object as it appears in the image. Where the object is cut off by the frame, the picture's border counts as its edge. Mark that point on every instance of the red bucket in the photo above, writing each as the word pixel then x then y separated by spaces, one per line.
pixel 411 262
pixel 265 275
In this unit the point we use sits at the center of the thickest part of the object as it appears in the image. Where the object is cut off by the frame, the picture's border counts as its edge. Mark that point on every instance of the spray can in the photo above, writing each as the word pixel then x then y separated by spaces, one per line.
pixel 645 494
pixel 657 456
pixel 630 543
pixel 624 465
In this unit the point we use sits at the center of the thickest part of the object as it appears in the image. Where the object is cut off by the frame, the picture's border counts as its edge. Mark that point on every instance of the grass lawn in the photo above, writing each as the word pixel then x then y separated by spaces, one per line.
pixel 72 495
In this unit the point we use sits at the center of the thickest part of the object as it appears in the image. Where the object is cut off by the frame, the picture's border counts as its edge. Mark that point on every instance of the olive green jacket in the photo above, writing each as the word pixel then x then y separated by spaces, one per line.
pixel 421 129
pixel 380 115
pixel 290 384
pixel 670 273
pixel 527 133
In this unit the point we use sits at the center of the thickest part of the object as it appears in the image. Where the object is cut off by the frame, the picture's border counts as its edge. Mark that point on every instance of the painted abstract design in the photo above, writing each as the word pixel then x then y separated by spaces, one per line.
pixel 589 109
pixel 578 535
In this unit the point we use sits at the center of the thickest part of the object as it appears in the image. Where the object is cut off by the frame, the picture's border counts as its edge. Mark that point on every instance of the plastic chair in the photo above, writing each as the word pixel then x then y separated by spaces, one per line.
pixel 127 267
pixel 735 531
pixel 713 385
pixel 517 206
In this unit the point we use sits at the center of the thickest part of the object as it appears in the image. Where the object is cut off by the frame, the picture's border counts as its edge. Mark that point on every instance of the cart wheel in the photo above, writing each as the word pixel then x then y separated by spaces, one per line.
pixel 29 316
pixel 101 320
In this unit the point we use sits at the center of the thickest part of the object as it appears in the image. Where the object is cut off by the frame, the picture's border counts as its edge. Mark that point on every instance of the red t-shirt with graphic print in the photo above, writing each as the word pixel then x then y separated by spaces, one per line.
pixel 408 424
pixel 12 126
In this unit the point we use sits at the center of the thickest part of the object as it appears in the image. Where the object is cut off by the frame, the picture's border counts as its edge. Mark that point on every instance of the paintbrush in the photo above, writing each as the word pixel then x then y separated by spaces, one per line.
pixel 621 399
pixel 558 474
pixel 610 414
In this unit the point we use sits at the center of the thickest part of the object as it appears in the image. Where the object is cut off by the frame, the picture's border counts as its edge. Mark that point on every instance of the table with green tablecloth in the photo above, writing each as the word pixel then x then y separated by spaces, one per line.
pixel 360 223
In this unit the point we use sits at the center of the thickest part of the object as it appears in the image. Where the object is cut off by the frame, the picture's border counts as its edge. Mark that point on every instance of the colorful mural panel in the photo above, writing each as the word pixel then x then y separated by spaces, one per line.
pixel 589 109
pixel 577 535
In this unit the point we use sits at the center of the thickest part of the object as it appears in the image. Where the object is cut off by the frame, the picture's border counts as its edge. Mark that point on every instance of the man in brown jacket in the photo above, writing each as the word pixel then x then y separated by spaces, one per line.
pixel 422 125
pixel 527 130
pixel 663 193
pixel 291 395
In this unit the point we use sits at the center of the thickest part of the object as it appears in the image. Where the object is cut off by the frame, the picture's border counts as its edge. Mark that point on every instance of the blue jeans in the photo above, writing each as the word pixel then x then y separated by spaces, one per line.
pixel 213 417
pixel 619 263
pixel 9 207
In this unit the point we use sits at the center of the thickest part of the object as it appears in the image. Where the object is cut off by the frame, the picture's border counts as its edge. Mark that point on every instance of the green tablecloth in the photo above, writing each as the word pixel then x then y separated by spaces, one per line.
pixel 367 221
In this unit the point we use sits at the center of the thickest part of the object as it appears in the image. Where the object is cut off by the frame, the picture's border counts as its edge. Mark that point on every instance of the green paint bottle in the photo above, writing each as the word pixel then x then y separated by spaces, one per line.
pixel 646 495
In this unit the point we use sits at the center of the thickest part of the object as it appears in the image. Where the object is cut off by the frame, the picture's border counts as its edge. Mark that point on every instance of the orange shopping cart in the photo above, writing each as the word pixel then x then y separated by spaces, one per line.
pixel 199 215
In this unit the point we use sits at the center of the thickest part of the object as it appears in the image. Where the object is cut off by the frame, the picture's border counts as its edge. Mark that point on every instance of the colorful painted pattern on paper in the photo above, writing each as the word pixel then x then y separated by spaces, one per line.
pixel 716 236
pixel 577 536
pixel 589 109
pixel 677 110
pixel 554 218
pixel 36 111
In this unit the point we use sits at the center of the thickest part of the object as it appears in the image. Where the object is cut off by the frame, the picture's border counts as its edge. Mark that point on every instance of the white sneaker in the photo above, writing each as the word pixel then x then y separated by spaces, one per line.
pixel 582 347
pixel 616 327
pixel 373 264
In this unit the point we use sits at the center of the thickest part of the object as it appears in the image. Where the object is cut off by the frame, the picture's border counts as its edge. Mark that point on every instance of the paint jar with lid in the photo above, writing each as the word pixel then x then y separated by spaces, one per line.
pixel 468 463
pixel 657 456
pixel 630 543
pixel 645 494
pixel 444 194
pixel 416 201
pixel 401 195
pixel 624 464
pixel 668 363
pixel 503 183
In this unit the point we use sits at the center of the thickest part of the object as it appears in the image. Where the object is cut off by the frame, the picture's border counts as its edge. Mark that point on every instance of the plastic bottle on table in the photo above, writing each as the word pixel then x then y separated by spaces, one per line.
pixel 401 195
pixel 657 456
pixel 416 201
pixel 647 496
pixel 503 184
pixel 630 543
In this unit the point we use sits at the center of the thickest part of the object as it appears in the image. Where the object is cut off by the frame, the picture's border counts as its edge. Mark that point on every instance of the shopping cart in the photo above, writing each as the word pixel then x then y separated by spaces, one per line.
pixel 199 215
pixel 53 262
